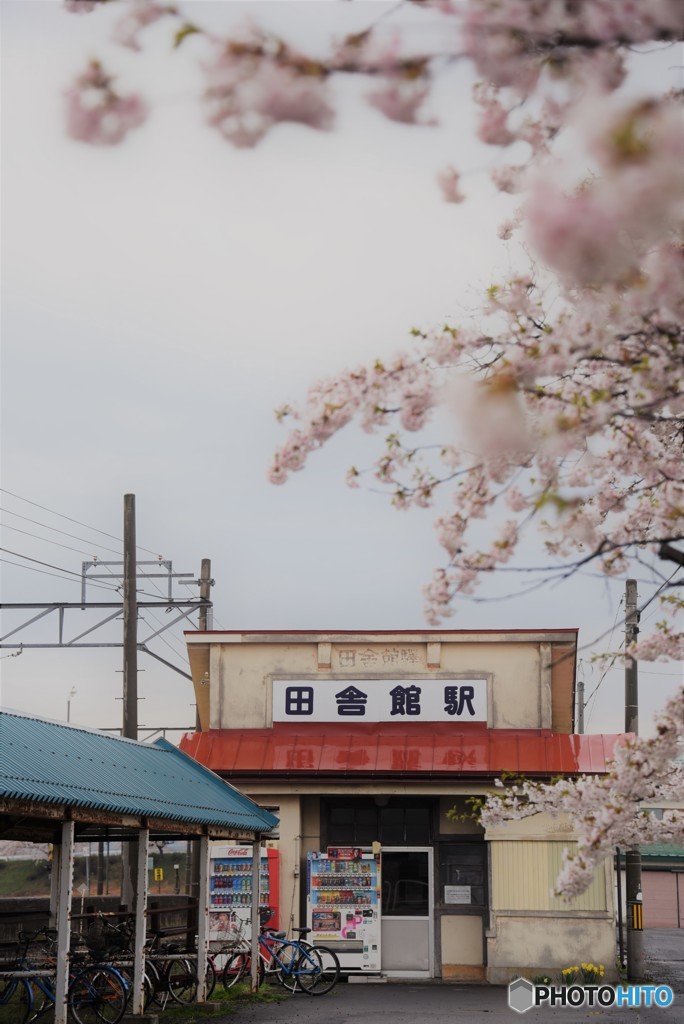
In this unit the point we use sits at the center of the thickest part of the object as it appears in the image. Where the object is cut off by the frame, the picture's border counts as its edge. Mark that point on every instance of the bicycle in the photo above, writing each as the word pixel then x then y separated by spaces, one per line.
pixel 171 974
pixel 295 964
pixel 224 952
pixel 111 943
pixel 168 972
pixel 299 965
pixel 97 993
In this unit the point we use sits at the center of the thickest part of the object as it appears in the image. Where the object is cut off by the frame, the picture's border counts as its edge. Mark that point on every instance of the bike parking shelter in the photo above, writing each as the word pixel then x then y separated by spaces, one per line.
pixel 63 784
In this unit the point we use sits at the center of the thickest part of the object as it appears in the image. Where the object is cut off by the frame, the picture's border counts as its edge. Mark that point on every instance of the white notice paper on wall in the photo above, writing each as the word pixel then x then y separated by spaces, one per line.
pixel 457 894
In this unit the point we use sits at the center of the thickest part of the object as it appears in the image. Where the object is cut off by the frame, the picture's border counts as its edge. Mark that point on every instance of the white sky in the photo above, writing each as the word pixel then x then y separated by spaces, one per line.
pixel 161 298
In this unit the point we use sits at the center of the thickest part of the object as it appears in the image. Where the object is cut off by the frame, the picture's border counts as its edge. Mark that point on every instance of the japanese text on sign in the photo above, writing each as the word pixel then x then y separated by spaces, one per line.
pixel 380 700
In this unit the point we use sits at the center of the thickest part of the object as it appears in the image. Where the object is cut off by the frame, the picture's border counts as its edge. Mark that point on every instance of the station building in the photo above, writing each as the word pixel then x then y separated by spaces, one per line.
pixel 370 740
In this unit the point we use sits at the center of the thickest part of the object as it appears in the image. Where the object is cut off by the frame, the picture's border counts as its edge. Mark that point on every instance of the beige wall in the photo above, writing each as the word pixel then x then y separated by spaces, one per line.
pixel 519 670
pixel 524 873
pixel 462 944
pixel 530 945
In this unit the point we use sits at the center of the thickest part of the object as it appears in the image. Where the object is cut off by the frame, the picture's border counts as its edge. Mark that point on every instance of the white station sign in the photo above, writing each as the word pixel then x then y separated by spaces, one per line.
pixel 380 700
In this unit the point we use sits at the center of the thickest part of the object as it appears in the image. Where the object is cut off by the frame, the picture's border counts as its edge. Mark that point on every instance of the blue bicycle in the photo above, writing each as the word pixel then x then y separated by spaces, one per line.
pixel 295 964
pixel 97 993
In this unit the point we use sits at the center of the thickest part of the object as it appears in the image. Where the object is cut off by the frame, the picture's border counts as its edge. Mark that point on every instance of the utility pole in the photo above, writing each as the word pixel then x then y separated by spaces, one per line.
pixel 129 852
pixel 635 922
pixel 205 612
pixel 192 865
pixel 580 706
pixel 130 623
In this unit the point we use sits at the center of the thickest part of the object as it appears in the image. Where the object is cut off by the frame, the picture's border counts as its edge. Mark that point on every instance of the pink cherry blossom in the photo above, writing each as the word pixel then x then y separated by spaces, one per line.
pixel 139 15
pixel 249 89
pixel 82 6
pixel 96 114
pixel 448 180
pixel 400 99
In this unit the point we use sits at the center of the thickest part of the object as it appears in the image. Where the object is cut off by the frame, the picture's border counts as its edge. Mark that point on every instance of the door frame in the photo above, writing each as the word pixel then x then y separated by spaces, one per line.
pixel 430 973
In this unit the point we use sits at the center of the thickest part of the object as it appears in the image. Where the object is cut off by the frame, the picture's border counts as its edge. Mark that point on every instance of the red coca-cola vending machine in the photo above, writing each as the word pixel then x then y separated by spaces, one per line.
pixel 231 889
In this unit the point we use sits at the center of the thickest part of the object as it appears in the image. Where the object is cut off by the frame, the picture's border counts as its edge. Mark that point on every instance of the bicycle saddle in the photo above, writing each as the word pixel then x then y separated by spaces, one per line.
pixel 302 931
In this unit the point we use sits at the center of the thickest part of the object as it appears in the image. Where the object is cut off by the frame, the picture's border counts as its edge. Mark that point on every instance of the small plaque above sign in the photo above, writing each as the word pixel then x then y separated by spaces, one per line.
pixel 457 894
pixel 380 700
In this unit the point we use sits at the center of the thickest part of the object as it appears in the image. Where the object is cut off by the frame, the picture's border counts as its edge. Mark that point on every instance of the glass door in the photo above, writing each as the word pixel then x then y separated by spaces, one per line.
pixel 407 911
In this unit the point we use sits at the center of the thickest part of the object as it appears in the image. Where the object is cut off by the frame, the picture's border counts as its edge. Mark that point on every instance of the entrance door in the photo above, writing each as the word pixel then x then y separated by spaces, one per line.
pixel 407 911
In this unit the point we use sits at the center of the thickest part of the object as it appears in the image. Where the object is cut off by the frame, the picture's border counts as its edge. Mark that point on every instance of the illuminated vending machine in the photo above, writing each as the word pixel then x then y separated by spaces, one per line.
pixel 343 905
pixel 231 890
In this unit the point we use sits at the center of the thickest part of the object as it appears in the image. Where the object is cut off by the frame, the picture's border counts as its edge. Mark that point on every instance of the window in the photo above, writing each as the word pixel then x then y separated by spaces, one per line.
pixel 402 822
pixel 462 875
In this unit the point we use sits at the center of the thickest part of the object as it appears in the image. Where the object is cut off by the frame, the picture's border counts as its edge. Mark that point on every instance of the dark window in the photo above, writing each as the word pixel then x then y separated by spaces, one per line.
pixel 401 822
pixel 417 826
pixel 463 865
pixel 405 884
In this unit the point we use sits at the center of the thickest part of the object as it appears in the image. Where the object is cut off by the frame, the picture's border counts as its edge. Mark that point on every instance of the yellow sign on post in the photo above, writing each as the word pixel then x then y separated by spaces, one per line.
pixel 159 874
pixel 637 917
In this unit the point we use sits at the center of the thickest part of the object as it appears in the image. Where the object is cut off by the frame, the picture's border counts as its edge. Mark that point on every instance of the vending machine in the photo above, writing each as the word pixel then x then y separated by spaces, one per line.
pixel 231 890
pixel 343 905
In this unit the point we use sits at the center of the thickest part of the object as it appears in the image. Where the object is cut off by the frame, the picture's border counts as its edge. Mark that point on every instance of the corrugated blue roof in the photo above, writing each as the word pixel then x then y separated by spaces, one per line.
pixel 57 763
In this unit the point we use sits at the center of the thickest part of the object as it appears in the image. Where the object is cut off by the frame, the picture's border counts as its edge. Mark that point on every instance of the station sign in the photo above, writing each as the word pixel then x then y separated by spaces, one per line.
pixel 379 700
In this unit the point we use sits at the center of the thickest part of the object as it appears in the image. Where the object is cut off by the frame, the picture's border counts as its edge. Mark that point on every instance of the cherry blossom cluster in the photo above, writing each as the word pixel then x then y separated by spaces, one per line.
pixel 82 6
pixel 253 81
pixel 608 810
pixel 96 113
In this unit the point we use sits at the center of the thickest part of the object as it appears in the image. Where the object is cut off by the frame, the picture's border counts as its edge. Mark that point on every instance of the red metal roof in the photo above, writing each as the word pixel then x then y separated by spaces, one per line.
pixel 369 749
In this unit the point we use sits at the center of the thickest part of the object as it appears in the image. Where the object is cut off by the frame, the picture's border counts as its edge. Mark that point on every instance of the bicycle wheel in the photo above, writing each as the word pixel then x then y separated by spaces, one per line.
pixel 318 970
pixel 285 974
pixel 98 993
pixel 148 985
pixel 43 996
pixel 181 981
pixel 211 978
pixel 235 967
pixel 15 1001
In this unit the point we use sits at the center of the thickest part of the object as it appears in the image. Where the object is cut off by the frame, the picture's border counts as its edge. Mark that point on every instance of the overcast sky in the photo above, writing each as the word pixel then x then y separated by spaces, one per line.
pixel 161 298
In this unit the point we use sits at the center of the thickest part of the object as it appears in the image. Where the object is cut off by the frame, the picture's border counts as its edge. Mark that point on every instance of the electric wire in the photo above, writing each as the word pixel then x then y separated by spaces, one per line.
pixel 166 639
pixel 48 565
pixel 69 519
pixel 46 540
pixel 594 692
pixel 30 568
pixel 54 529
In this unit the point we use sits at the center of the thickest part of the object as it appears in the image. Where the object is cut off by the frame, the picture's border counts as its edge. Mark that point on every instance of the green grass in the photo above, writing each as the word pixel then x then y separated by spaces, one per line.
pixel 231 1001
pixel 32 877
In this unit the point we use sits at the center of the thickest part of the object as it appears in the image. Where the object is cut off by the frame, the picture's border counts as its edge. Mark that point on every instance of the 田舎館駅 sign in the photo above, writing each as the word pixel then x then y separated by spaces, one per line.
pixel 380 700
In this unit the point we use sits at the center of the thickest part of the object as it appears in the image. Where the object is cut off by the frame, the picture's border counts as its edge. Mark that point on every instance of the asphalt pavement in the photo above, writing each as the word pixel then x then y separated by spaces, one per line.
pixel 404 1002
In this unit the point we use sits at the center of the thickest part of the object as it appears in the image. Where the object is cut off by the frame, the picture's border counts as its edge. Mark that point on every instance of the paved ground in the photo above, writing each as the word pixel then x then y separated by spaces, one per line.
pixel 411 1003
pixel 664 956
pixel 452 1004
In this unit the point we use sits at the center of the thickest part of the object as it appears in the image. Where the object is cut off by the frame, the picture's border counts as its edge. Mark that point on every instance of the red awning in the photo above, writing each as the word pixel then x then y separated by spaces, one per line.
pixel 370 749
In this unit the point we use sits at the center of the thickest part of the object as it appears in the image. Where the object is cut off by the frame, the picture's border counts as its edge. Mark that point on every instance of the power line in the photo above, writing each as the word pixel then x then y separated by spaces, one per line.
pixel 48 565
pixel 30 568
pixel 54 529
pixel 104 533
pixel 46 540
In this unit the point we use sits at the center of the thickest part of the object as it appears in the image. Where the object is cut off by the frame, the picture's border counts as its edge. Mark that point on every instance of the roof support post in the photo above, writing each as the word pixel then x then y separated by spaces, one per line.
pixel 140 922
pixel 203 919
pixel 256 896
pixel 54 884
pixel 66 881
